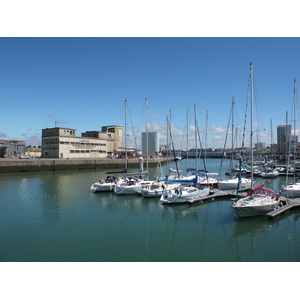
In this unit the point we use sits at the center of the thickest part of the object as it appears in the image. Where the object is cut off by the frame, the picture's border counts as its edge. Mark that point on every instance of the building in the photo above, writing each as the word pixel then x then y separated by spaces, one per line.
pixel 34 152
pixel 11 148
pixel 283 138
pixel 61 142
pixel 152 143
pixel 259 146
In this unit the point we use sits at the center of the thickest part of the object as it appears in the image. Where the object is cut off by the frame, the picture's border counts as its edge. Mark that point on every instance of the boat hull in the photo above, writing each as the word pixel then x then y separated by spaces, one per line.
pixel 292 191
pixel 127 190
pixel 252 211
pixel 184 194
pixel 102 187
pixel 231 184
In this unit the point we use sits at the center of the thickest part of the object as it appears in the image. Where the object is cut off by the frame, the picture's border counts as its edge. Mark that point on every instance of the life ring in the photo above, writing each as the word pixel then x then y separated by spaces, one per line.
pixel 101 181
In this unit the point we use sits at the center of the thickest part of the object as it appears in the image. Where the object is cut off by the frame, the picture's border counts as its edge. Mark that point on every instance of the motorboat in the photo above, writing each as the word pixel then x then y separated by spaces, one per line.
pixel 184 194
pixel 259 201
pixel 105 185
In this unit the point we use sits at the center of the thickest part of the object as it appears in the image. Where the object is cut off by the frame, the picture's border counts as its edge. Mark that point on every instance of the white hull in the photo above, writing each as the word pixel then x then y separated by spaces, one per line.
pixel 156 190
pixel 184 194
pixel 252 211
pixel 130 187
pixel 208 181
pixel 231 184
pixel 102 187
pixel 269 174
pixel 292 190
pixel 261 202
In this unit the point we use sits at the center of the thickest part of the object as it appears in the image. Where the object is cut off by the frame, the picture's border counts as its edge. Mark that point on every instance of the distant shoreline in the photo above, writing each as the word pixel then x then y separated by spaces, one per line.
pixel 9 165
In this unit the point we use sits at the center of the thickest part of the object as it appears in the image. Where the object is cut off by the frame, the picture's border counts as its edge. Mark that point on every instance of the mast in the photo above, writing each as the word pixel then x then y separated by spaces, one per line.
pixel 294 131
pixel 232 127
pixel 187 137
pixel 126 155
pixel 294 106
pixel 272 156
pixel 147 151
pixel 205 144
pixel 196 150
pixel 251 120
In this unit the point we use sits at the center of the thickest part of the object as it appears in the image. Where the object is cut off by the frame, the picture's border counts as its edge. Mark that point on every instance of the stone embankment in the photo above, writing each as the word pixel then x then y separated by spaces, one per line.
pixel 46 164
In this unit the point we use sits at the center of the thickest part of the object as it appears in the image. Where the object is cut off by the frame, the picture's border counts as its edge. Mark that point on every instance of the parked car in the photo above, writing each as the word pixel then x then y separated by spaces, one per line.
pixel 23 156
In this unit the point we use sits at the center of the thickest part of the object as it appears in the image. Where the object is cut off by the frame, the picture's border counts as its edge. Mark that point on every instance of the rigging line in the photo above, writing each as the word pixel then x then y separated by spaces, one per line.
pixel 176 163
pixel 132 128
pixel 201 154
pixel 221 164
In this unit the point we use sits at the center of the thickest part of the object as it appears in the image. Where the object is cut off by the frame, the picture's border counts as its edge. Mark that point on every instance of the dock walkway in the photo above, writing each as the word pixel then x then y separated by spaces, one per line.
pixel 216 193
pixel 288 204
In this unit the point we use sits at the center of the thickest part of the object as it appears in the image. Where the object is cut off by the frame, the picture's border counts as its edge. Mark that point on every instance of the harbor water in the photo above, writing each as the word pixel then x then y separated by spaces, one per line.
pixel 54 217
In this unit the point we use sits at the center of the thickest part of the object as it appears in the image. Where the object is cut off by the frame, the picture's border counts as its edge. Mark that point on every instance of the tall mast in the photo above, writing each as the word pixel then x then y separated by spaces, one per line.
pixel 147 153
pixel 232 127
pixel 187 137
pixel 126 155
pixel 271 139
pixel 196 150
pixel 294 107
pixel 251 126
pixel 205 144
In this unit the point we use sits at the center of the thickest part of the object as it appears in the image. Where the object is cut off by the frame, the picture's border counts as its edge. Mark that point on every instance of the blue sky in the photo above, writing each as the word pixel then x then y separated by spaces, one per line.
pixel 82 83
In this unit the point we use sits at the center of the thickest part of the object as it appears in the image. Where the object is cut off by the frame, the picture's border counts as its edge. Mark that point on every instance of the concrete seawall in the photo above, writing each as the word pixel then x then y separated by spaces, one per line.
pixel 31 165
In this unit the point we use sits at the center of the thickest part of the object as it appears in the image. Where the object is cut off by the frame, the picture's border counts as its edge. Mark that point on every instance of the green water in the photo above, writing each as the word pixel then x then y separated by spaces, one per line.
pixel 53 217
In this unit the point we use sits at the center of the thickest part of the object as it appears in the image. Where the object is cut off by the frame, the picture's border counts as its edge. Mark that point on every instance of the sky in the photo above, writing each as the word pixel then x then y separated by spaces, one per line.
pixel 82 83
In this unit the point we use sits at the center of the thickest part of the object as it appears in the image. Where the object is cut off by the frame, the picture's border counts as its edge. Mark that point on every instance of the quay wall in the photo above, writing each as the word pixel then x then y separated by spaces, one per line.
pixel 48 164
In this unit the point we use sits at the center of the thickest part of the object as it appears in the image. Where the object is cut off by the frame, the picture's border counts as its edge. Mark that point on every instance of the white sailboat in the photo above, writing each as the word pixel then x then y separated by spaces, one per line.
pixel 292 190
pixel 233 182
pixel 156 188
pixel 132 184
pixel 191 193
pixel 260 200
pixel 269 173
pixel 184 194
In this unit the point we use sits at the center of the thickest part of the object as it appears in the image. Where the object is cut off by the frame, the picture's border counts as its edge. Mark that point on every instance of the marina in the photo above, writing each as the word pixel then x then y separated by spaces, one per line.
pixel 53 216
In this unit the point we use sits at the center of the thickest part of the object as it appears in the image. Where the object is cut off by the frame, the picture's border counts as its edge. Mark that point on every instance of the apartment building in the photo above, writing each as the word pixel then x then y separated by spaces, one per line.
pixel 61 142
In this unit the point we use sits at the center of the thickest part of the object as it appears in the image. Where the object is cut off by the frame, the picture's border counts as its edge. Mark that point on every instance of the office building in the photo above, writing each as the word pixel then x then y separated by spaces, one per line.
pixel 61 142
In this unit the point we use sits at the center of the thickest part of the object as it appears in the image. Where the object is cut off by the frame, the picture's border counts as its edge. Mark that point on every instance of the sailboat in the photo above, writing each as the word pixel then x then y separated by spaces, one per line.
pixel 233 182
pixel 259 200
pixel 132 184
pixel 189 191
pixel 269 173
pixel 292 190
